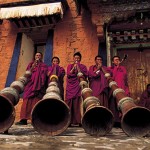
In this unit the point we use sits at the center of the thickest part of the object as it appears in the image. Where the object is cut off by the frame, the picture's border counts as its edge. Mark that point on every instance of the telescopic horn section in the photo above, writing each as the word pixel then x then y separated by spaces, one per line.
pixel 7 113
pixel 135 120
pixel 9 97
pixel 51 116
pixel 97 120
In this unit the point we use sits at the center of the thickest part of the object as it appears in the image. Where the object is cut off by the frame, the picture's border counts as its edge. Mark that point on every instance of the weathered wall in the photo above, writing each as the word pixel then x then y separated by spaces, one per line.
pixel 8 1
pixel 75 33
pixel 8 34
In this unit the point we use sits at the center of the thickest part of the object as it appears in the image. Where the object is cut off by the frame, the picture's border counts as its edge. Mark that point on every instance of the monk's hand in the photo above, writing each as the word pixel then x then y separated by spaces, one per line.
pixel 34 65
pixel 99 66
pixel 48 73
pixel 73 68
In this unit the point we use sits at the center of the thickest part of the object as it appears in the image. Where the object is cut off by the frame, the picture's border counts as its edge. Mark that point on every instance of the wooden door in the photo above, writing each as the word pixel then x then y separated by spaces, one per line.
pixel 138 68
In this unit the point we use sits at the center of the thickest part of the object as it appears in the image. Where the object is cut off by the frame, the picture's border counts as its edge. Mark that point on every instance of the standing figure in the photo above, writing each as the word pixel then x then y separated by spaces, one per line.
pixel 35 88
pixel 145 98
pixel 60 72
pixel 98 82
pixel 73 89
pixel 119 75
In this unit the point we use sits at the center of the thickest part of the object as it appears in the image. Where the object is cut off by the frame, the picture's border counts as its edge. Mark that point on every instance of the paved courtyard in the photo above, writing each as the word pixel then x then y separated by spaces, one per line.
pixel 74 138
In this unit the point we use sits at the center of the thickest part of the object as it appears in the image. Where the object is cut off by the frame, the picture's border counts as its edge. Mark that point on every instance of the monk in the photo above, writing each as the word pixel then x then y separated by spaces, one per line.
pixel 98 82
pixel 73 89
pixel 119 75
pixel 145 98
pixel 60 72
pixel 35 88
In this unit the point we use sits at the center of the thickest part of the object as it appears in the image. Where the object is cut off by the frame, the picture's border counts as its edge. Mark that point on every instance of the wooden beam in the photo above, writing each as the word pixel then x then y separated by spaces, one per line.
pixel 23 22
pixel 47 20
pixel 20 23
pixel 15 22
pixel 43 20
pixel 40 21
pixel 27 22
pixel 53 20
pixel 50 20
pixel 35 21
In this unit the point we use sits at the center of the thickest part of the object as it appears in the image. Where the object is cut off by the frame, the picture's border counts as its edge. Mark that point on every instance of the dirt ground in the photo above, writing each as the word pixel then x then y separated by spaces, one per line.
pixel 74 138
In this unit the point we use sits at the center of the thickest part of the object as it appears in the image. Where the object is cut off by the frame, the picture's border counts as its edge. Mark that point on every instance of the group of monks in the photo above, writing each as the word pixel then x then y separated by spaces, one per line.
pixel 39 80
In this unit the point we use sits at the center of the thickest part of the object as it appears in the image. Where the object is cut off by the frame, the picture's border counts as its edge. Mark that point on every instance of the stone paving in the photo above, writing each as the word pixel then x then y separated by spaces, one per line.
pixel 74 138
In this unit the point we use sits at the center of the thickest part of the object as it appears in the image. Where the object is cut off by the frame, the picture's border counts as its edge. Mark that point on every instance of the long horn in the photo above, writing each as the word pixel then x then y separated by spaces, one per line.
pixel 97 120
pixel 135 119
pixel 51 116
pixel 9 97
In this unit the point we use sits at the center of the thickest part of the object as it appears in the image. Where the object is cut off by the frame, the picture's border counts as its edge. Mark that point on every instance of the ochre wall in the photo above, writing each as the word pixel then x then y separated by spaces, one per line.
pixel 75 32
pixel 9 1
pixel 8 34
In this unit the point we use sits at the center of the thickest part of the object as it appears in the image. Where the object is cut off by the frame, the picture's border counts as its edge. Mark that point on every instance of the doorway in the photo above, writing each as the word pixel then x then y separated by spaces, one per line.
pixel 138 66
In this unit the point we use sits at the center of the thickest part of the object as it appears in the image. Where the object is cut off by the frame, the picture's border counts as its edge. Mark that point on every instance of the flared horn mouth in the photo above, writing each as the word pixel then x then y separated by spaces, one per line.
pixel 51 116
pixel 7 113
pixel 98 121
pixel 136 121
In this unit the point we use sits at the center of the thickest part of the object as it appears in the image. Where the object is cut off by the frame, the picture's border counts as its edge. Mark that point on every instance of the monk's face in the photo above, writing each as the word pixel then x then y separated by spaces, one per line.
pixel 77 58
pixel 38 56
pixel 55 61
pixel 116 61
pixel 98 61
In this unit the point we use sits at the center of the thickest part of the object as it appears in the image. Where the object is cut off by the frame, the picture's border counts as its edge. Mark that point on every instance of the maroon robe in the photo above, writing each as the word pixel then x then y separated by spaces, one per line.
pixel 98 84
pixel 60 72
pixel 145 100
pixel 119 75
pixel 34 90
pixel 73 92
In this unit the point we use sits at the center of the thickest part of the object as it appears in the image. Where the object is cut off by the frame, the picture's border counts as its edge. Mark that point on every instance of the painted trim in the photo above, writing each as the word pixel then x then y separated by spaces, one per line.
pixel 102 52
pixel 131 46
pixel 108 46
pixel 14 61
pixel 49 48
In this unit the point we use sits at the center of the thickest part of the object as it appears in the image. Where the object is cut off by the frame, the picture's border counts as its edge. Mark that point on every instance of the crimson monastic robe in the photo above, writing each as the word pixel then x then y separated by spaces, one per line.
pixel 119 74
pixel 98 84
pixel 34 90
pixel 73 92
pixel 60 72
